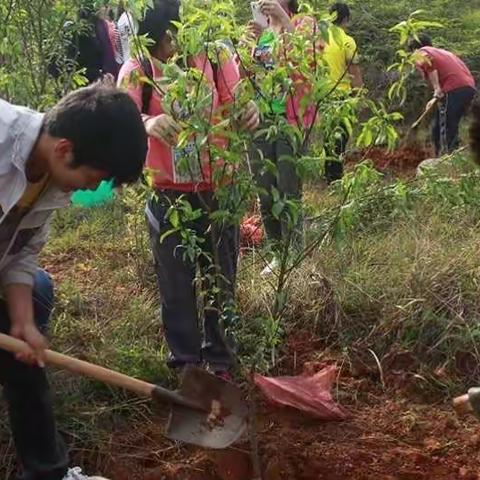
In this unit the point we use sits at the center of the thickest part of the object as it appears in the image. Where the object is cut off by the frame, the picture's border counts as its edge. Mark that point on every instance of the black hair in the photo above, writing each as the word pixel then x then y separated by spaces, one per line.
pixel 111 14
pixel 158 20
pixel 87 14
pixel 106 130
pixel 293 6
pixel 475 132
pixel 342 10
pixel 423 40
pixel 120 9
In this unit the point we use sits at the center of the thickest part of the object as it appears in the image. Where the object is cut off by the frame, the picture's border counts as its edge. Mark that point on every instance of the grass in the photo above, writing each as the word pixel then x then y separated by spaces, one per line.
pixel 394 282
pixel 405 280
pixel 104 309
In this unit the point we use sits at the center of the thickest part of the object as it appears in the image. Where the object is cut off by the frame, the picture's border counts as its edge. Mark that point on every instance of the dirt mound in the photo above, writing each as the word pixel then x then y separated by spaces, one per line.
pixel 388 437
pixel 403 160
pixel 387 440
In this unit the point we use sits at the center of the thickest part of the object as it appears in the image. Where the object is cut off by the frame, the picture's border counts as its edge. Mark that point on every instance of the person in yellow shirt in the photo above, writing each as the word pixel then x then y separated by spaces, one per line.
pixel 342 59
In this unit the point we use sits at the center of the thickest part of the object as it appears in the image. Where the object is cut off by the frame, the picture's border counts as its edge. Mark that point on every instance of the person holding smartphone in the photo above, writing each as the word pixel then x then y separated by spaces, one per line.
pixel 272 20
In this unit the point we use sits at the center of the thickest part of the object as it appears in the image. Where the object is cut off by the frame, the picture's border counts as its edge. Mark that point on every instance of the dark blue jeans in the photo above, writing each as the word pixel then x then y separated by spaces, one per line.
pixel 40 450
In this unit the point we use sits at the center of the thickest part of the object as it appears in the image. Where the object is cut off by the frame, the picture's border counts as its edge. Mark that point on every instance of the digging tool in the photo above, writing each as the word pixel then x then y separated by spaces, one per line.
pixel 415 125
pixel 205 410
pixel 469 403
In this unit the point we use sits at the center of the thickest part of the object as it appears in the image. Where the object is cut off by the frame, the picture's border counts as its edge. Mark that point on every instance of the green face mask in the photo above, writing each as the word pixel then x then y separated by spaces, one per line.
pixel 93 198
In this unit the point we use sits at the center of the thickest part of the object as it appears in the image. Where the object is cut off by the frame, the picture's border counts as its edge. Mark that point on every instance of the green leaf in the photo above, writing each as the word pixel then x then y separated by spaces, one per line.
pixel 277 209
pixel 174 219
pixel 167 234
pixel 275 194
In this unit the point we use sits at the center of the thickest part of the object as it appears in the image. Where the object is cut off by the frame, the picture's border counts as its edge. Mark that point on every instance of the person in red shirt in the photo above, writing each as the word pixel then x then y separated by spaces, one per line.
pixel 280 104
pixel 454 90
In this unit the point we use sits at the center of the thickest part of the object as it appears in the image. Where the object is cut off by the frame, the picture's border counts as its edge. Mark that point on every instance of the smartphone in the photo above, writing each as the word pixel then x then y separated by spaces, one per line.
pixel 258 16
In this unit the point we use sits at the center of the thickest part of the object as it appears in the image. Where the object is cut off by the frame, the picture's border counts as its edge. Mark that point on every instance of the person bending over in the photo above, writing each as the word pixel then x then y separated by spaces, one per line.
pixel 453 88
pixel 93 134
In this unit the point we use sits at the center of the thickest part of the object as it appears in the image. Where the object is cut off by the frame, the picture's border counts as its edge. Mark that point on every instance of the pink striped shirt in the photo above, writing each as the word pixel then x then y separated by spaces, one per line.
pixel 161 159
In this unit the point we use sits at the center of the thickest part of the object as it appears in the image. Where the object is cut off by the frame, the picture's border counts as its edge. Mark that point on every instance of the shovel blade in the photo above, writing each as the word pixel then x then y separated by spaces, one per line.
pixel 213 394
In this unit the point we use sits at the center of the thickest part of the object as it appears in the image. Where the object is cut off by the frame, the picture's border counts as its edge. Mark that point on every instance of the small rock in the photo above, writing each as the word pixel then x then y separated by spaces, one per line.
pixel 432 445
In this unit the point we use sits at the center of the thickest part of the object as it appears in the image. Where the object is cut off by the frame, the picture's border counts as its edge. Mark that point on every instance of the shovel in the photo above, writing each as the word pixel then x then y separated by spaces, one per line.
pixel 205 410
pixel 412 131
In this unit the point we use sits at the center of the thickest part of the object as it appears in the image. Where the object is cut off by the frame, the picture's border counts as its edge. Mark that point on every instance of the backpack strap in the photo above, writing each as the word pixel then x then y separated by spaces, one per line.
pixel 214 63
pixel 147 87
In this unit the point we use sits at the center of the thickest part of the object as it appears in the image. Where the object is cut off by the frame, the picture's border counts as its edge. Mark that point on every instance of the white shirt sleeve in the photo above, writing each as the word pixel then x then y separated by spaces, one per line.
pixel 127 26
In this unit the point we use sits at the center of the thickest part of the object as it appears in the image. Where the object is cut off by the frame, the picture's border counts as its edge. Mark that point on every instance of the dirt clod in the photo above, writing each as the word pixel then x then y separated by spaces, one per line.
pixel 233 465
pixel 466 474
pixel 404 160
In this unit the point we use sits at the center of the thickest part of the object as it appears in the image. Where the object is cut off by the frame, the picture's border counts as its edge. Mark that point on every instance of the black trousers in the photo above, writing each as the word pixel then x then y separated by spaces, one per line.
pixel 40 449
pixel 285 180
pixel 176 281
pixel 334 167
pixel 447 119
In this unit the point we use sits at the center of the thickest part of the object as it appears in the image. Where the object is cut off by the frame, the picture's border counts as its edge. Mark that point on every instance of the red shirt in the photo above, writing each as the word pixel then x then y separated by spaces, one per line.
pixel 452 72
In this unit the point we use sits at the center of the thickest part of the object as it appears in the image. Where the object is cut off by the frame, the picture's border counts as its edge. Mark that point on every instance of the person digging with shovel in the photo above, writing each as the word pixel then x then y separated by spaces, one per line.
pixel 93 134
pixel 453 89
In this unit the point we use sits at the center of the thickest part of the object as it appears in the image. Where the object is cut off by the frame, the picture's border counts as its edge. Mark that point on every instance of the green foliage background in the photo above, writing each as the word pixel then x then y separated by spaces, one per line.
pixel 370 24
pixel 31 32
pixel 372 19
pixel 31 36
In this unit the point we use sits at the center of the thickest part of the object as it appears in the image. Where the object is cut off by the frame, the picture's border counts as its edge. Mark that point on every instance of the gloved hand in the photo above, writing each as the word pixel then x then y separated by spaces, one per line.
pixel 250 118
pixel 163 128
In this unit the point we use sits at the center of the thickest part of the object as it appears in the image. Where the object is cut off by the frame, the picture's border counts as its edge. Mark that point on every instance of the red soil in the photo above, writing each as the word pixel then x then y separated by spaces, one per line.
pixel 389 437
pixel 404 160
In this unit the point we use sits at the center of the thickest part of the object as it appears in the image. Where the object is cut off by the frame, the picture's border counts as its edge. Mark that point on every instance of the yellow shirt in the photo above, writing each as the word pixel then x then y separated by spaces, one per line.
pixel 339 54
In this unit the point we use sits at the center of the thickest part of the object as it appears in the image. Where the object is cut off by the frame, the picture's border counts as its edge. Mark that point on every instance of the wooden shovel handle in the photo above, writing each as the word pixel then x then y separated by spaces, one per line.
pixel 104 375
pixel 424 114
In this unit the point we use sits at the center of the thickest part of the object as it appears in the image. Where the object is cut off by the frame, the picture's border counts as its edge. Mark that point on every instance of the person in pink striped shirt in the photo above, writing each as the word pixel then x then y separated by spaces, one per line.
pixel 197 184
